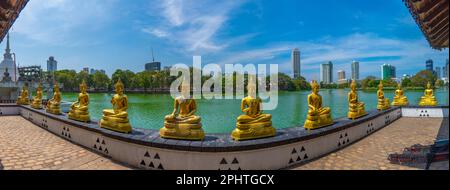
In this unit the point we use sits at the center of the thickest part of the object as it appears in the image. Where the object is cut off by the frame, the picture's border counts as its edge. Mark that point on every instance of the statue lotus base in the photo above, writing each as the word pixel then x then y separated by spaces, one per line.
pixel 79 117
pixel 182 131
pixel 23 102
pixel 383 104
pixel 123 127
pixel 427 102
pixel 356 114
pixel 400 102
pixel 53 111
pixel 315 122
pixel 253 131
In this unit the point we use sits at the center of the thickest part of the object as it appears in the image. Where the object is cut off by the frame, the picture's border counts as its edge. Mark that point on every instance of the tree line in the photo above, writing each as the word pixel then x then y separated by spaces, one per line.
pixel 153 81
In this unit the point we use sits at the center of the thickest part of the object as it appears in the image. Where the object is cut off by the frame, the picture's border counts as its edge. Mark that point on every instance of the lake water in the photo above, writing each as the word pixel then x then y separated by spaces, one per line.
pixel 219 116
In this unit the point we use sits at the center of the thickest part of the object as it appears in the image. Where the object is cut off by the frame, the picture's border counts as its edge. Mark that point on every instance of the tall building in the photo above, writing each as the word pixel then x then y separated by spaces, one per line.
pixel 52 64
pixel 429 65
pixel 296 62
pixel 326 73
pixel 388 71
pixel 9 63
pixel 355 70
pixel 341 77
pixel 86 69
pixel 154 65
pixel 437 72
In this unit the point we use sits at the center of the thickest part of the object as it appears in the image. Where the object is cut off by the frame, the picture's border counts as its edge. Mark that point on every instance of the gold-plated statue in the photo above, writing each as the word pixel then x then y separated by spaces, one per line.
pixel 79 110
pixel 116 119
pixel 399 99
pixel 356 109
pixel 318 116
pixel 428 98
pixel 53 105
pixel 253 124
pixel 36 102
pixel 383 102
pixel 183 123
pixel 23 98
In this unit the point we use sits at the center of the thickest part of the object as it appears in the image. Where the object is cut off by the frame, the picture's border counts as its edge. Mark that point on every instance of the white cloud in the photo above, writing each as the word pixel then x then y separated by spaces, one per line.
pixel 156 32
pixel 194 25
pixel 59 22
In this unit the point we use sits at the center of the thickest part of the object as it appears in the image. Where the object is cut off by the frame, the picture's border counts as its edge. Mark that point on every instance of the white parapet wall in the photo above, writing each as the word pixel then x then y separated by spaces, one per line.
pixel 146 150
pixel 8 109
pixel 422 111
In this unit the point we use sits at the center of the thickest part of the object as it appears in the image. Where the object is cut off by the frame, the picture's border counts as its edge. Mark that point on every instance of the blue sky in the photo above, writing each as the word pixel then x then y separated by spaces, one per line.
pixel 119 34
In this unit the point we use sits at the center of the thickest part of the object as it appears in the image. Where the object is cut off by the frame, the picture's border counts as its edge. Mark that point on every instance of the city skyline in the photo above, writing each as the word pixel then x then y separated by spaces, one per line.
pixel 178 30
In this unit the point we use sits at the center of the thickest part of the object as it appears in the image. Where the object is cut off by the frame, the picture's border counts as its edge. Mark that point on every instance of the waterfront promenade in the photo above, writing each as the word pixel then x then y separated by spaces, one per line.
pixel 24 145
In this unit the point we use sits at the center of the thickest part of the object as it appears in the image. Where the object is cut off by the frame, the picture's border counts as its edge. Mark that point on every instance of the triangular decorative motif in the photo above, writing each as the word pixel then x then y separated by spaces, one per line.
pixel 160 167
pixel 143 162
pixel 235 161
pixel 153 161
pixel 298 155
pixel 293 151
pixel 223 161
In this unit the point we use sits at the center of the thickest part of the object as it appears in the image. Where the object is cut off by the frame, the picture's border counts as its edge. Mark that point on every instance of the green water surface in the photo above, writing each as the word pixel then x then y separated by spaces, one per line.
pixel 219 116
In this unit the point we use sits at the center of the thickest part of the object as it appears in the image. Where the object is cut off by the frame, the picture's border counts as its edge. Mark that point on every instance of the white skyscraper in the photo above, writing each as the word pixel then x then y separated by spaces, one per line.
pixel 326 73
pixel 355 70
pixel 8 63
pixel 296 62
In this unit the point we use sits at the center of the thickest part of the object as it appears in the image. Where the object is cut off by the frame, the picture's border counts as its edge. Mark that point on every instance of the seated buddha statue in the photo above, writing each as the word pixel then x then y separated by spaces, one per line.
pixel 116 119
pixel 23 98
pixel 254 123
pixel 53 105
pixel 79 109
pixel 355 108
pixel 36 102
pixel 318 116
pixel 182 123
pixel 399 99
pixel 383 102
pixel 428 98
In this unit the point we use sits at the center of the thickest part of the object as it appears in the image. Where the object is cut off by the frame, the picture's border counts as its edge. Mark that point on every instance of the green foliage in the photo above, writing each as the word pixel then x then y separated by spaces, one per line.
pixel 422 78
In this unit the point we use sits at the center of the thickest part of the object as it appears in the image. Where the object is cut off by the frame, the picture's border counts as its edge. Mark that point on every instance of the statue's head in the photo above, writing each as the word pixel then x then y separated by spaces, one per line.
pixel 83 87
pixel 314 86
pixel 380 86
pixel 119 87
pixel 55 87
pixel 39 88
pixel 185 89
pixel 251 87
pixel 353 85
pixel 428 85
pixel 399 86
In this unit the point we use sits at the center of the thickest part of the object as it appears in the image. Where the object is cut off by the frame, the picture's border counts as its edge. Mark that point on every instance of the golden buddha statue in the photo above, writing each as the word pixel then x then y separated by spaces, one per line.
pixel 399 99
pixel 383 102
pixel 355 108
pixel 79 109
pixel 428 99
pixel 116 118
pixel 23 98
pixel 53 105
pixel 36 102
pixel 182 123
pixel 318 116
pixel 253 124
